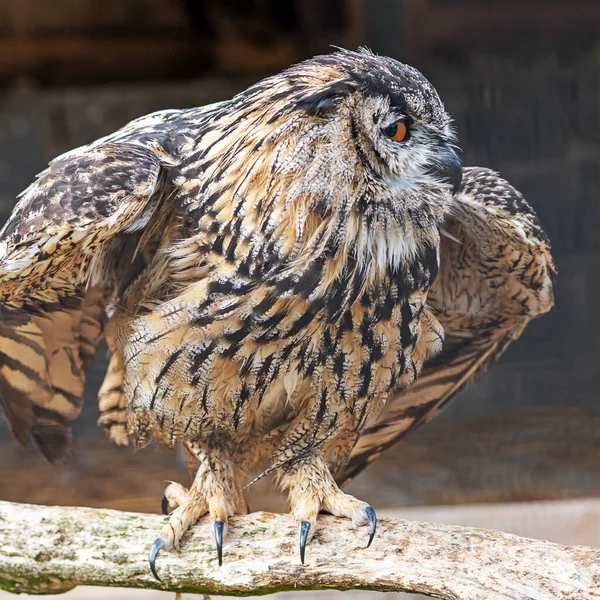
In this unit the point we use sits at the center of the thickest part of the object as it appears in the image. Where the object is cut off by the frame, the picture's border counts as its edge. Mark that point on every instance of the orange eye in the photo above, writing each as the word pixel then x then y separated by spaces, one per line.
pixel 400 131
pixel 397 131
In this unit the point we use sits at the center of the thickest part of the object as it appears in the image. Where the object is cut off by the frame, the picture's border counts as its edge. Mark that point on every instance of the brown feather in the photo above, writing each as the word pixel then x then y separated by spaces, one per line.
pixel 490 285
pixel 57 245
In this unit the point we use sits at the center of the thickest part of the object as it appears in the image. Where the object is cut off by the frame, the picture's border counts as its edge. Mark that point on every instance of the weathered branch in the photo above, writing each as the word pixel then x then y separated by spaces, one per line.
pixel 53 549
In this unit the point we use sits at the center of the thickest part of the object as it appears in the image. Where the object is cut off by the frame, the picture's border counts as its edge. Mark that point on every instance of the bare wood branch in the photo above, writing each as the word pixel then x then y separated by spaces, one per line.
pixel 53 549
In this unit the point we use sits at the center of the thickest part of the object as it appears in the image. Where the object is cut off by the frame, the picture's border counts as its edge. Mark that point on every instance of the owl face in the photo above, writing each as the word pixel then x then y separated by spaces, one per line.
pixel 409 152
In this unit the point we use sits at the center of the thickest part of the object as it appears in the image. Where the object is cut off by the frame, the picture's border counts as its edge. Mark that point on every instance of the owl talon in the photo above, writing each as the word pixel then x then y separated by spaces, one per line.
pixel 218 531
pixel 303 531
pixel 372 523
pixel 156 546
pixel 164 504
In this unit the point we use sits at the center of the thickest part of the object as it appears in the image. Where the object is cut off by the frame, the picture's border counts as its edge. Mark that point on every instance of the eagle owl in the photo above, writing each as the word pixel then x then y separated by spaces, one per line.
pixel 271 273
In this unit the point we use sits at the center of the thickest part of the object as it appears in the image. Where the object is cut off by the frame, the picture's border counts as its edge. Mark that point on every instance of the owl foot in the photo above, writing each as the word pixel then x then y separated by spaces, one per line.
pixel 312 489
pixel 189 509
pixel 186 513
pixel 362 515
pixel 213 491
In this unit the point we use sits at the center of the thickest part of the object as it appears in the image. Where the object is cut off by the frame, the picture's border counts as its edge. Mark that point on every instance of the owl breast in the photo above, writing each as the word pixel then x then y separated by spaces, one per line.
pixel 234 361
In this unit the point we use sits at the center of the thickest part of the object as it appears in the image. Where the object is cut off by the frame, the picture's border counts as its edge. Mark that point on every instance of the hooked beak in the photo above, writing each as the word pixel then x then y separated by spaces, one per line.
pixel 448 169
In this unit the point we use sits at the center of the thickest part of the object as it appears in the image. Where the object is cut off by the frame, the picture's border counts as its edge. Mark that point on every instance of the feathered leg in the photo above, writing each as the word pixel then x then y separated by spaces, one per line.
pixel 175 493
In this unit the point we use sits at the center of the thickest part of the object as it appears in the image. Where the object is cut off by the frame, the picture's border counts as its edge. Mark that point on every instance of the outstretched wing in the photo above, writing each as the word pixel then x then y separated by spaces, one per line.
pixel 495 275
pixel 67 249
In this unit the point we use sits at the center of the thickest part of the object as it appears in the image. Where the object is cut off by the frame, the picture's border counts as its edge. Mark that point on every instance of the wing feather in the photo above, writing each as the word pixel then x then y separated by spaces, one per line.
pixel 62 255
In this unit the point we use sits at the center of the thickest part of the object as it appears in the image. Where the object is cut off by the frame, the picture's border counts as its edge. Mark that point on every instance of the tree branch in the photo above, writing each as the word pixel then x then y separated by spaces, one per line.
pixel 52 549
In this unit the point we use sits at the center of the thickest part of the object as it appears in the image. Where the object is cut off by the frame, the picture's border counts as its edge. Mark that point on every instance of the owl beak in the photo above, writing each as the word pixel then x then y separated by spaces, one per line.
pixel 448 169
pixel 453 172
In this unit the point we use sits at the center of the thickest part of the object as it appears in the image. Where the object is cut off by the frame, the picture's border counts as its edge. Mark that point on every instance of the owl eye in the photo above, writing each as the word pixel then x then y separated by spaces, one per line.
pixel 397 131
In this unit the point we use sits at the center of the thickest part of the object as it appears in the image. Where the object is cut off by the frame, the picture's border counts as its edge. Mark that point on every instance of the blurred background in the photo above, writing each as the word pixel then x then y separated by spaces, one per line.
pixel 519 450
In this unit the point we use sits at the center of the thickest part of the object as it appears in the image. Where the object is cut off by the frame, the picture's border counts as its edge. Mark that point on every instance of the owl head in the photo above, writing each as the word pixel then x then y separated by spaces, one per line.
pixel 348 151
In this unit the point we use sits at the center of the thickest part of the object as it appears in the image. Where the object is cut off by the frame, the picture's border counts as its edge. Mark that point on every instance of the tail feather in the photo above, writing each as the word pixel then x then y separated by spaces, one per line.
pixel 43 351
pixel 18 410
pixel 23 371
pixel 52 434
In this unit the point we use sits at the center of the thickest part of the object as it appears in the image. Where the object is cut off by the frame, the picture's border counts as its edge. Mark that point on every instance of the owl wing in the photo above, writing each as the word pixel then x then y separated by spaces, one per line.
pixel 496 274
pixel 70 246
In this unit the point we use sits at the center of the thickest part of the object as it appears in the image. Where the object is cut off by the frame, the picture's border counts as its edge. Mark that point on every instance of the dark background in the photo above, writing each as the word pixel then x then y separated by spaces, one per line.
pixel 522 81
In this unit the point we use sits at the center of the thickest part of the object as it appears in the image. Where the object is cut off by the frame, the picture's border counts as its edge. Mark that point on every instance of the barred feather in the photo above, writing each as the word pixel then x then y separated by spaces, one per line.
pixel 496 274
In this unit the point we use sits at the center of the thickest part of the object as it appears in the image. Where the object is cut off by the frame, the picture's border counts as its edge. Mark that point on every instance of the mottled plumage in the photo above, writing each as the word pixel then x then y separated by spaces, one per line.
pixel 496 274
pixel 265 264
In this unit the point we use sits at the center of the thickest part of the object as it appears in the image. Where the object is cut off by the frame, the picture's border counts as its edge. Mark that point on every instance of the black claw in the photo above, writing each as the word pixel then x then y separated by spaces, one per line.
pixel 303 531
pixel 219 539
pixel 164 505
pixel 372 523
pixel 156 546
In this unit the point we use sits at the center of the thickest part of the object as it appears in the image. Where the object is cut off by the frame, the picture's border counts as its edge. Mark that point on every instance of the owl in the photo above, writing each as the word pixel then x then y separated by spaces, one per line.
pixel 271 274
